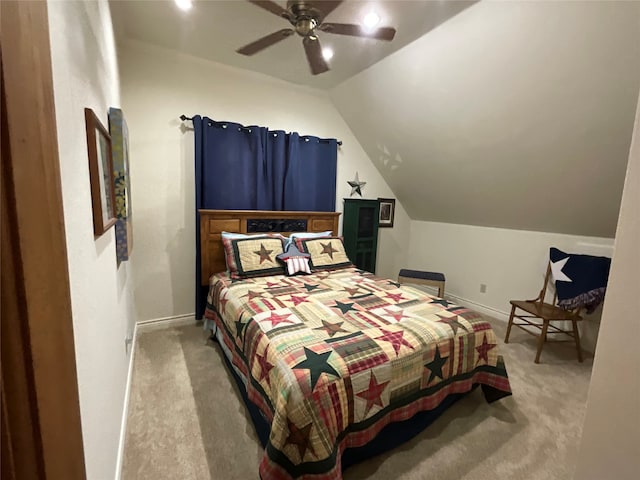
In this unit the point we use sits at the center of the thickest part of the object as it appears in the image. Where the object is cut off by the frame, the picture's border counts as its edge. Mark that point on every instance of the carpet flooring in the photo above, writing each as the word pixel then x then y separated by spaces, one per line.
pixel 187 421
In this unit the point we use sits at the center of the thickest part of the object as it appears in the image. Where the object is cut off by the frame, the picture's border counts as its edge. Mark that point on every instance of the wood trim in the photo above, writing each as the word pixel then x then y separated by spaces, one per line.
pixel 214 222
pixel 38 316
pixel 95 127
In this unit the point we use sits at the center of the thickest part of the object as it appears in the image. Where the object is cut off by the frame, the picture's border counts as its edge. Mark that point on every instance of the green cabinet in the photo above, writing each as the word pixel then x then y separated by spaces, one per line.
pixel 360 232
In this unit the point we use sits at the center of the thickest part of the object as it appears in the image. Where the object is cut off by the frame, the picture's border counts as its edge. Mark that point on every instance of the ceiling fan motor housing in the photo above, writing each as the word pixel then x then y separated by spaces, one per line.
pixel 304 17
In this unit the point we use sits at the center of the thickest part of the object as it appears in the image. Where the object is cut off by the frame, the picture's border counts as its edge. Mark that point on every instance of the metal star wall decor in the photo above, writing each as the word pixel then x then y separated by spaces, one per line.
pixel 356 186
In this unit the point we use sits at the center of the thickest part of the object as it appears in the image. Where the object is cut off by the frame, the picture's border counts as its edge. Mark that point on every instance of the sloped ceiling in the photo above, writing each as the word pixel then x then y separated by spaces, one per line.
pixel 510 114
pixel 214 30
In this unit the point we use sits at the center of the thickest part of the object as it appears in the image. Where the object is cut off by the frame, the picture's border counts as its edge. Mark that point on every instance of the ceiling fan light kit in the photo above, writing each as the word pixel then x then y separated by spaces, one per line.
pixel 307 17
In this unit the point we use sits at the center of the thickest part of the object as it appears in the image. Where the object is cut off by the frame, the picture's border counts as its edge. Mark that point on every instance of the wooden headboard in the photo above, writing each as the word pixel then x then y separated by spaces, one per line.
pixel 214 222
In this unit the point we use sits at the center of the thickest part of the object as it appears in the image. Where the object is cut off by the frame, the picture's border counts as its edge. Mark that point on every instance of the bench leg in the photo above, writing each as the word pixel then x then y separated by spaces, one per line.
pixel 541 340
pixel 513 311
pixel 576 335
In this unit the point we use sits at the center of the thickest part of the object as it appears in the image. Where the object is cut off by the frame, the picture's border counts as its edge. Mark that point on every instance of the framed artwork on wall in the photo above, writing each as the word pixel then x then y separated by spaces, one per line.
pixel 100 173
pixel 120 153
pixel 387 212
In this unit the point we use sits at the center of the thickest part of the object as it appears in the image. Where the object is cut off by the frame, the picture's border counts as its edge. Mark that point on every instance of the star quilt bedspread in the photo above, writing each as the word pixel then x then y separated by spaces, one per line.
pixel 333 357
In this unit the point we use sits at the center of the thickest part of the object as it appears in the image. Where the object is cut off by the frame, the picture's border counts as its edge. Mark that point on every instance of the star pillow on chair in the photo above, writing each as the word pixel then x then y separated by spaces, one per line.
pixel 295 260
pixel 581 280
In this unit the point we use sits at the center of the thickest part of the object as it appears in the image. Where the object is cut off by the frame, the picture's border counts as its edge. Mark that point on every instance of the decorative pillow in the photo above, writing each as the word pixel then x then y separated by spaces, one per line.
pixel 326 253
pixel 581 280
pixel 295 261
pixel 295 235
pixel 253 256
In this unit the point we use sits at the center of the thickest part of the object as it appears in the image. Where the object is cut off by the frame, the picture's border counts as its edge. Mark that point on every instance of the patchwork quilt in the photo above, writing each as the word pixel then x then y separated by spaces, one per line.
pixel 333 357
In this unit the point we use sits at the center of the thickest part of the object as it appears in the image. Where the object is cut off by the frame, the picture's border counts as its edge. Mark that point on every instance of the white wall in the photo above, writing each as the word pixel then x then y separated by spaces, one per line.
pixel 157 86
pixel 511 263
pixel 471 119
pixel 610 446
pixel 85 74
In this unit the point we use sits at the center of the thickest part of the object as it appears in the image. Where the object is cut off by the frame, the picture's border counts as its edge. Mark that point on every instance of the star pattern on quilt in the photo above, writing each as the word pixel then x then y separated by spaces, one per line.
pixel 265 366
pixel 317 364
pixel 277 319
pixel 309 287
pixel 483 350
pixel 351 290
pixel 264 254
pixel 223 304
pixel 395 339
pixel 328 249
pixel 300 438
pixel 344 307
pixel 331 328
pixel 435 366
pixel 397 316
pixel 440 301
pixel 396 297
pixel 373 394
pixel 356 186
pixel 453 323
pixel 297 300
pixel 240 328
pixel 251 295
pixel 556 270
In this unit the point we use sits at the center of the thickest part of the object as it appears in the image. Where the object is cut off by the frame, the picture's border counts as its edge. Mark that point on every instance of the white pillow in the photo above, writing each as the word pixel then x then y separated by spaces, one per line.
pixel 305 235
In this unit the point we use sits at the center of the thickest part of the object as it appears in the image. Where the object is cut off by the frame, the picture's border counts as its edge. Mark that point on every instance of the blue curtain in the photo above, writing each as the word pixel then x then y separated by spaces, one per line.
pixel 254 168
pixel 310 180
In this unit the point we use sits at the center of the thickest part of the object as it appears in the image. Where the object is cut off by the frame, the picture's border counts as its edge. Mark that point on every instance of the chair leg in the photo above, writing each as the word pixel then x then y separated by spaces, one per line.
pixel 541 340
pixel 513 311
pixel 576 335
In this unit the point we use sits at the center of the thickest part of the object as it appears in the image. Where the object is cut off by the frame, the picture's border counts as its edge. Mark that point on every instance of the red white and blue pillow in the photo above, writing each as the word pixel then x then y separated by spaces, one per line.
pixel 295 261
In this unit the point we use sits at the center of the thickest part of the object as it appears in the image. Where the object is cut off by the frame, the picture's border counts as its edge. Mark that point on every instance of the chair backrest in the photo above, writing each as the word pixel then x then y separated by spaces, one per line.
pixel 543 292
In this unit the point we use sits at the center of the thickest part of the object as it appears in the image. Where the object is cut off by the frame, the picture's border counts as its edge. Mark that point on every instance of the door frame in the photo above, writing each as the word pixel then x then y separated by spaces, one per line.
pixel 41 428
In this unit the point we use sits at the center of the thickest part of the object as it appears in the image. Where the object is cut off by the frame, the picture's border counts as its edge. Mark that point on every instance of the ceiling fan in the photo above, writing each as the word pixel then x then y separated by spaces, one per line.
pixel 307 18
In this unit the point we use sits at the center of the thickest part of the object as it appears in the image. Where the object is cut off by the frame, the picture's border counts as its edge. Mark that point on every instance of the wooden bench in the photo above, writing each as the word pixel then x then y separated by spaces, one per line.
pixel 432 279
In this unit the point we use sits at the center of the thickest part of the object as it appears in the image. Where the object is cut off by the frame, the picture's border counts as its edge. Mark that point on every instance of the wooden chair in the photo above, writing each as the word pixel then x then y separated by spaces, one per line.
pixel 547 313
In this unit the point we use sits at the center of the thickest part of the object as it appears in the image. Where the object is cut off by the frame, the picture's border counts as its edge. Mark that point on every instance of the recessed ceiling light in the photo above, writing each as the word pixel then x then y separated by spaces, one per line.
pixel 327 53
pixel 184 4
pixel 370 20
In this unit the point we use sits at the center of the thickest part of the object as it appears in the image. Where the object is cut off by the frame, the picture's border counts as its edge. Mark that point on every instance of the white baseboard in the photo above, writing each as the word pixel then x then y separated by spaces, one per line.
pixel 480 308
pixel 166 322
pixel 125 409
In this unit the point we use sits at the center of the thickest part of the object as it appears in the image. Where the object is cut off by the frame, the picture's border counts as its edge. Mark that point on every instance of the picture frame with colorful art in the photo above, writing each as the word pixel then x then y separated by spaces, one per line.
pixel 100 174
pixel 120 151
pixel 387 212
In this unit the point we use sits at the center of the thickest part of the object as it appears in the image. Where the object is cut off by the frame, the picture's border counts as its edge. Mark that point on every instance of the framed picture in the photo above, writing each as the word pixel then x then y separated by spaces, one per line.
pixel 103 197
pixel 387 211
pixel 120 154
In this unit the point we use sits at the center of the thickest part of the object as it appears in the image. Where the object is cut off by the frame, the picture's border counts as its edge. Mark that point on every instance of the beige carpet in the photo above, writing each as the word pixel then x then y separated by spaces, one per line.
pixel 187 420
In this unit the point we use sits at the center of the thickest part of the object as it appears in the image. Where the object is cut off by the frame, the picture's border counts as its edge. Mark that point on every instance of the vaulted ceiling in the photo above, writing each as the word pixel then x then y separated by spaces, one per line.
pixel 505 114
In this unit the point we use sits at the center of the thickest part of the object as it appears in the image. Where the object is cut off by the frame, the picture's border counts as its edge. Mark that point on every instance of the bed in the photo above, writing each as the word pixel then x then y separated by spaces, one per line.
pixel 339 364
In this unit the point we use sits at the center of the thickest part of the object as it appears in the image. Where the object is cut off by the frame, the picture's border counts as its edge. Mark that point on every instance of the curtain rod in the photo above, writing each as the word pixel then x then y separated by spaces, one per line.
pixel 183 117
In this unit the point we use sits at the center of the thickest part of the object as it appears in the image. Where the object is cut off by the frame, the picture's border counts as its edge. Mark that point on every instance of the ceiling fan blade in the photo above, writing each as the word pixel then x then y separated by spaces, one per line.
pixel 382 33
pixel 327 6
pixel 272 7
pixel 264 42
pixel 314 55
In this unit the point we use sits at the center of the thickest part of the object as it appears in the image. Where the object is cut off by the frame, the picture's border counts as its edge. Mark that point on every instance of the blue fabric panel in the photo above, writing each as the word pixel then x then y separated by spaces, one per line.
pixel 439 277
pixel 588 276
pixel 310 182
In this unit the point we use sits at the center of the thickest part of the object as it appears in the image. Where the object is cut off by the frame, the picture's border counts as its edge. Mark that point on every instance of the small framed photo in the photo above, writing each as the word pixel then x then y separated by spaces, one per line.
pixel 103 197
pixel 387 212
